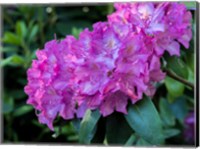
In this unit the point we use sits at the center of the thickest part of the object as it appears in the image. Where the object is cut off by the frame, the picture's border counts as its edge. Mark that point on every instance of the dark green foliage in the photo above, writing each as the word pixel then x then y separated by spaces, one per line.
pixel 145 121
pixel 88 126
pixel 117 129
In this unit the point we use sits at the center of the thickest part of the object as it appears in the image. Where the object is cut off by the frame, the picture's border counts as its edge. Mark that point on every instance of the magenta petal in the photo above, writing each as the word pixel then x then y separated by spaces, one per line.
pixel 155 27
pixel 173 48
pixel 67 111
pixel 185 38
pixel 81 110
pixel 159 51
pixel 121 102
pixel 107 107
pixel 150 90
pixel 117 100
pixel 45 120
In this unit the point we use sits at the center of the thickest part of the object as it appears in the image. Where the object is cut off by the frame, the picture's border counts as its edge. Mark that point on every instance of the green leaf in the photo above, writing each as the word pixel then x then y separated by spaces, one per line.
pixel 115 135
pixel 131 140
pixel 68 129
pixel 33 32
pixel 168 133
pixel 11 38
pixel 174 87
pixel 190 61
pixel 12 60
pixel 88 124
pixel 177 66
pixel 33 54
pixel 21 29
pixel 110 8
pixel 76 124
pixel 8 49
pixel 190 66
pixel 190 5
pixel 179 108
pixel 76 31
pixel 142 142
pixel 18 60
pixel 165 113
pixel 22 110
pixel 5 62
pixel 8 104
pixel 145 121
pixel 57 132
pixel 191 75
pixel 73 138
pixel 170 98
pixel 105 142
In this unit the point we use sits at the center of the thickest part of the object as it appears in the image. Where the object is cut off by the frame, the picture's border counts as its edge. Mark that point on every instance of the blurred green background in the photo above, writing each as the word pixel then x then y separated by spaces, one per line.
pixel 26 28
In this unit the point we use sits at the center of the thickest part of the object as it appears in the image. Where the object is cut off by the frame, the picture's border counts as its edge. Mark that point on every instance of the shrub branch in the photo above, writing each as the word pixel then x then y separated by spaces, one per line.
pixel 178 78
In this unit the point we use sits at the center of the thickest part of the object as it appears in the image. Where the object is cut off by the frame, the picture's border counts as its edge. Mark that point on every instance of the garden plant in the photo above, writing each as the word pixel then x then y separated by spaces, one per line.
pixel 111 74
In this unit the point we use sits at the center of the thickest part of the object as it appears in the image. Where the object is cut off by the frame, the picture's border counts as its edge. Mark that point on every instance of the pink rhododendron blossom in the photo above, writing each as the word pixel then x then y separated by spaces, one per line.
pixel 166 23
pixel 103 69
pixel 49 83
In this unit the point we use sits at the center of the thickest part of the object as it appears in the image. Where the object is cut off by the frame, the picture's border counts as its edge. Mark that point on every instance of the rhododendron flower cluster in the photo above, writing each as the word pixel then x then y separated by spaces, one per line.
pixel 118 61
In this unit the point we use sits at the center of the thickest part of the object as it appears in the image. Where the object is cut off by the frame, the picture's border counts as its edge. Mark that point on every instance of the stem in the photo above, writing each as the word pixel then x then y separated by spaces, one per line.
pixel 174 76
pixel 25 47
